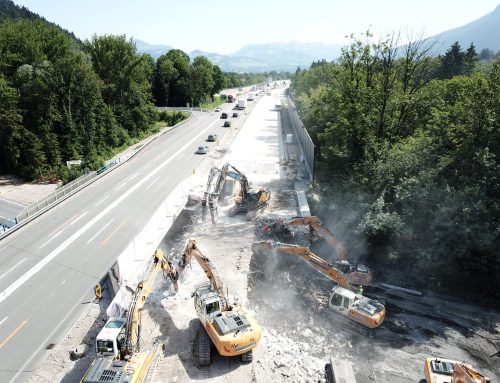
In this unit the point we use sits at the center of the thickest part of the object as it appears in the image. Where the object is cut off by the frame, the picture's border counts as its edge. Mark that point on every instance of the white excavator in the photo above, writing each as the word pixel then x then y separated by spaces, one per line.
pixel 119 357
pixel 229 327
pixel 439 370
pixel 231 184
pixel 359 309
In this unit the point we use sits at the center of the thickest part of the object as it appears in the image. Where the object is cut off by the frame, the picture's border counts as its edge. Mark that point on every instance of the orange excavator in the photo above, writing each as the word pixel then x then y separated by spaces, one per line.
pixel 230 328
pixel 451 371
pixel 362 310
pixel 359 275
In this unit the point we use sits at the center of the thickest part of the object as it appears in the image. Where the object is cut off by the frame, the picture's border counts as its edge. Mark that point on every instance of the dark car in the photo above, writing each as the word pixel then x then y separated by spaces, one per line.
pixel 235 114
pixel 223 115
pixel 202 149
pixel 227 124
pixel 212 137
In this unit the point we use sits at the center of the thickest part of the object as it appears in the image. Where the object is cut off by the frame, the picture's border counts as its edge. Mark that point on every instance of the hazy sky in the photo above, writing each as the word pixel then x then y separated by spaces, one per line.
pixel 225 26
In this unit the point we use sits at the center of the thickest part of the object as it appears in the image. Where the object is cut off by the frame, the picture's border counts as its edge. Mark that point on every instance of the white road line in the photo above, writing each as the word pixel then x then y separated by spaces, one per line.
pixel 80 217
pixel 3 320
pixel 63 282
pixel 152 182
pixel 181 156
pixel 51 295
pixel 36 268
pixel 99 232
pixel 135 175
pixel 101 201
pixel 12 202
pixel 48 240
pixel 13 267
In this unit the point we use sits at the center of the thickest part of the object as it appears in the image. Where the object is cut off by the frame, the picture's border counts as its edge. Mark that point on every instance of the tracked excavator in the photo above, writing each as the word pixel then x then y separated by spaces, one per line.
pixel 230 182
pixel 119 358
pixel 362 310
pixel 451 371
pixel 230 328
pixel 357 275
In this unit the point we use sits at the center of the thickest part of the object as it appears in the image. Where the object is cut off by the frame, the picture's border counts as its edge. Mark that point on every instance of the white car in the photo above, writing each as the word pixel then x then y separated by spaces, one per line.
pixel 217 109
pixel 202 149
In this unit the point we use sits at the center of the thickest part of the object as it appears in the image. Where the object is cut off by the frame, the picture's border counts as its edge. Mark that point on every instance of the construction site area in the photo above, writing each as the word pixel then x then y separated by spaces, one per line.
pixel 271 294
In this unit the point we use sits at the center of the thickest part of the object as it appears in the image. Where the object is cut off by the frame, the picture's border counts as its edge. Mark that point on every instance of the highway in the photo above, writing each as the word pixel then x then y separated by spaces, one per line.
pixel 49 267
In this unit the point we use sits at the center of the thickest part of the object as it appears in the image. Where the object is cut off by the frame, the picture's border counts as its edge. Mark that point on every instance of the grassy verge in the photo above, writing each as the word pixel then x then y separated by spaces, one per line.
pixel 213 105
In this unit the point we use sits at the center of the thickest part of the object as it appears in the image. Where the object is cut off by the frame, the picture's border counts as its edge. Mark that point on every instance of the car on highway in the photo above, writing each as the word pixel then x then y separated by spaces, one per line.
pixel 212 137
pixel 202 149
pixel 217 109
pixel 227 124
pixel 223 115
pixel 235 114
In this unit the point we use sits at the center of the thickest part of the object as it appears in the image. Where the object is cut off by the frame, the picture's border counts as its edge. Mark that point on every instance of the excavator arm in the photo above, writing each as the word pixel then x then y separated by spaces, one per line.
pixel 325 268
pixel 318 229
pixel 139 298
pixel 208 267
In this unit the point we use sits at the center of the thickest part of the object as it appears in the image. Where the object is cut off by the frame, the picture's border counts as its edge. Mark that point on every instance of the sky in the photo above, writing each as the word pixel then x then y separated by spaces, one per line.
pixel 224 27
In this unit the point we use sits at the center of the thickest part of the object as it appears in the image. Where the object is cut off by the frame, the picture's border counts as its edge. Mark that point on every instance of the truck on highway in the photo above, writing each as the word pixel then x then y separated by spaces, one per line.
pixel 242 103
pixel 231 98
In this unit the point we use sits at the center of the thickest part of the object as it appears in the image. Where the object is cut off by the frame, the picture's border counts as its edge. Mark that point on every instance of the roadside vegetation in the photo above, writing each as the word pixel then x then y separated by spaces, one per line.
pixel 63 99
pixel 407 161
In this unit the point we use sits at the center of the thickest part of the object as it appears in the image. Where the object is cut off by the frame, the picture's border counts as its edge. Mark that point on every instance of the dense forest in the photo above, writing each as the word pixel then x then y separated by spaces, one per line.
pixel 63 99
pixel 407 161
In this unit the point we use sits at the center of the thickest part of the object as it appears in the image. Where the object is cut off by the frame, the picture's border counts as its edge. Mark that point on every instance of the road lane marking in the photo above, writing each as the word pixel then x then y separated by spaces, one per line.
pixel 13 333
pixel 36 268
pixel 80 217
pixel 61 226
pixel 152 182
pixel 13 267
pixel 48 240
pixel 3 320
pixel 49 337
pixel 12 202
pixel 99 232
pixel 135 175
pixel 161 184
pixel 181 156
pixel 101 201
pixel 113 232
pixel 63 282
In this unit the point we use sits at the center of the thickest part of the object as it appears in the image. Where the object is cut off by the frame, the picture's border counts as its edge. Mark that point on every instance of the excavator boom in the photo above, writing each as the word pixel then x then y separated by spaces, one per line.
pixel 205 263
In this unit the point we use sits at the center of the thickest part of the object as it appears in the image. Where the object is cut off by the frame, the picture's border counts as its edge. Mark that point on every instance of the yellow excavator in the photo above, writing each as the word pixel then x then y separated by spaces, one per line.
pixel 451 371
pixel 357 275
pixel 362 310
pixel 119 358
pixel 230 182
pixel 230 328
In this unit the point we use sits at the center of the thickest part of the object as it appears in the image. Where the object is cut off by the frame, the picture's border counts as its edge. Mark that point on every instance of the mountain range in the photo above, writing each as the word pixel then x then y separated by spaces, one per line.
pixel 287 56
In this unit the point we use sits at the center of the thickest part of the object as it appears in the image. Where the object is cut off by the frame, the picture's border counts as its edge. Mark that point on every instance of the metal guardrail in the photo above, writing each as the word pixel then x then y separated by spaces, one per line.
pixel 303 138
pixel 61 192
pixel 180 109
pixel 7 226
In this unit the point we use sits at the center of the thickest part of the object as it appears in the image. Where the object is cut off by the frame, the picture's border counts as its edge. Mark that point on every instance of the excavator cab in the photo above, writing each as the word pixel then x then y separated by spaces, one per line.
pixel 207 302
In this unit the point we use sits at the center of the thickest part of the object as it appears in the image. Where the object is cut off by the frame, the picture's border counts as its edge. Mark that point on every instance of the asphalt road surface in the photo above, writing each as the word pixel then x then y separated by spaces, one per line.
pixel 49 266
pixel 9 209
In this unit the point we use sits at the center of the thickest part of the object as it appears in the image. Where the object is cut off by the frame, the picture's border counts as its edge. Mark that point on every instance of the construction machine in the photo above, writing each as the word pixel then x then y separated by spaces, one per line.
pixel 230 182
pixel 367 312
pixel 357 275
pixel 451 371
pixel 230 328
pixel 119 358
